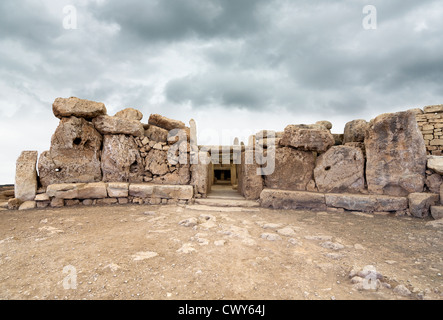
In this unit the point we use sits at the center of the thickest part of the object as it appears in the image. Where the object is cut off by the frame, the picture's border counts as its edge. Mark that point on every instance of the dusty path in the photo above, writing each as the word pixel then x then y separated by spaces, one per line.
pixel 142 252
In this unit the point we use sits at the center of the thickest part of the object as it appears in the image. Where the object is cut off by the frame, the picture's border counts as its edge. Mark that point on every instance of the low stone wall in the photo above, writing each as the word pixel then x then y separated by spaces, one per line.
pixel 98 193
pixel 419 205
pixel 430 122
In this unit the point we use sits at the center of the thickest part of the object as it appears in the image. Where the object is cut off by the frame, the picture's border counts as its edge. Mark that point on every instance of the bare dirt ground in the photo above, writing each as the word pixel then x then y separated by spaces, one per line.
pixel 142 252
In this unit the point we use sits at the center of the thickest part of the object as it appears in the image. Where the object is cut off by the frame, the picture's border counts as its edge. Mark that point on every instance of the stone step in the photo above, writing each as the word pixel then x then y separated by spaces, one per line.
pixel 200 207
pixel 227 202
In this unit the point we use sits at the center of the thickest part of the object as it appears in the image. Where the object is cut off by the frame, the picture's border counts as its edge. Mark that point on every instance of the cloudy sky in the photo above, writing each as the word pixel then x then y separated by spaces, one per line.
pixel 235 66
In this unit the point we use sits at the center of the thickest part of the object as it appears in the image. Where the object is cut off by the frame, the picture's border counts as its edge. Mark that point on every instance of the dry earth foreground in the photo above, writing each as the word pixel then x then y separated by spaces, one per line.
pixel 201 252
pixel 120 209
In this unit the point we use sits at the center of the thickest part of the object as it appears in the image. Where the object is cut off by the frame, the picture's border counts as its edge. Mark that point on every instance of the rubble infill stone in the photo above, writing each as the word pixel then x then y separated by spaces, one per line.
pixel 419 203
pixel 286 199
pixel 435 163
pixel 25 186
pixel 115 125
pixel 366 203
pixel 78 108
pixel 437 212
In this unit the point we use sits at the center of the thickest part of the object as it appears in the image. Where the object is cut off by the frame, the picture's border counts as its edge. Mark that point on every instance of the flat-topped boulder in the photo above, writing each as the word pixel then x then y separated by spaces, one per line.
pixel 355 131
pixel 115 125
pixel 366 203
pixel 156 133
pixel 165 123
pixel 129 114
pixel 25 187
pixel 286 199
pixel 81 108
pixel 307 137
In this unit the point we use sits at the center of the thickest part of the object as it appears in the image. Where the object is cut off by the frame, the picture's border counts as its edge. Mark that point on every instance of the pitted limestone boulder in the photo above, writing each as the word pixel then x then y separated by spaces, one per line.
pixel 307 137
pixel 116 125
pixel 76 107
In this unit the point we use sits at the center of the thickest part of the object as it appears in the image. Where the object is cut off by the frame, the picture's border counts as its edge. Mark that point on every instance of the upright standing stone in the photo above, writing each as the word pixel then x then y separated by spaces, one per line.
pixel 396 155
pixel 121 160
pixel 74 155
pixel 250 182
pixel 293 169
pixel 26 176
pixel 340 169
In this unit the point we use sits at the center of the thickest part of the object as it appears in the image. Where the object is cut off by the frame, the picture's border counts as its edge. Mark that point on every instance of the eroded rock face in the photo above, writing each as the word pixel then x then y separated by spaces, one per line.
pixel 307 138
pixel 116 125
pixel 293 169
pixel 25 187
pixel 156 134
pixel 76 107
pixel 420 203
pixel 74 155
pixel 250 182
pixel 180 176
pixel 157 162
pixel 396 155
pixel 355 131
pixel 340 169
pixel 129 114
pixel 165 123
pixel 121 160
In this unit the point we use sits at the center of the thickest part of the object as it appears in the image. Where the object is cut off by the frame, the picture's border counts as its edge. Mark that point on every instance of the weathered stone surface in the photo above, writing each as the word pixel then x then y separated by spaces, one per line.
pixel 115 125
pixel 338 139
pixel 57 203
pixel 419 203
pixel 325 123
pixel 180 176
pixel 141 190
pixel 435 163
pixel 97 190
pixel 433 182
pixel 157 162
pixel 42 197
pixel 433 109
pixel 173 192
pixel 366 203
pixel 396 155
pixel 250 182
pixel 25 186
pixel 14 203
pixel 156 134
pixel 165 123
pixel 340 169
pixel 293 169
pixel 74 155
pixel 437 212
pixel 307 139
pixel 285 199
pixel 129 114
pixel 27 205
pixel 78 108
pixel 200 174
pixel 118 189
pixel 417 111
pixel 64 190
pixel 355 131
pixel 121 160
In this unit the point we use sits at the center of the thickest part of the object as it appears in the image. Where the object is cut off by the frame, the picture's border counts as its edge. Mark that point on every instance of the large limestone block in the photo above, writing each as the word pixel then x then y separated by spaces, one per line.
pixel 121 160
pixel 420 203
pixel 141 190
pixel 115 125
pixel 76 107
pixel 64 190
pixel 285 199
pixel 95 190
pixel 355 131
pixel 250 181
pixel 396 155
pixel 435 163
pixel 293 169
pixel 156 134
pixel 25 187
pixel 308 137
pixel 200 174
pixel 74 155
pixel 118 189
pixel 165 123
pixel 173 192
pixel 366 203
pixel 433 109
pixel 129 114
pixel 340 169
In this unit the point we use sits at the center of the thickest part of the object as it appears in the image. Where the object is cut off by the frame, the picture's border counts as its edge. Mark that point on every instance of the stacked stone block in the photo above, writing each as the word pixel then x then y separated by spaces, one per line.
pixel 430 122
